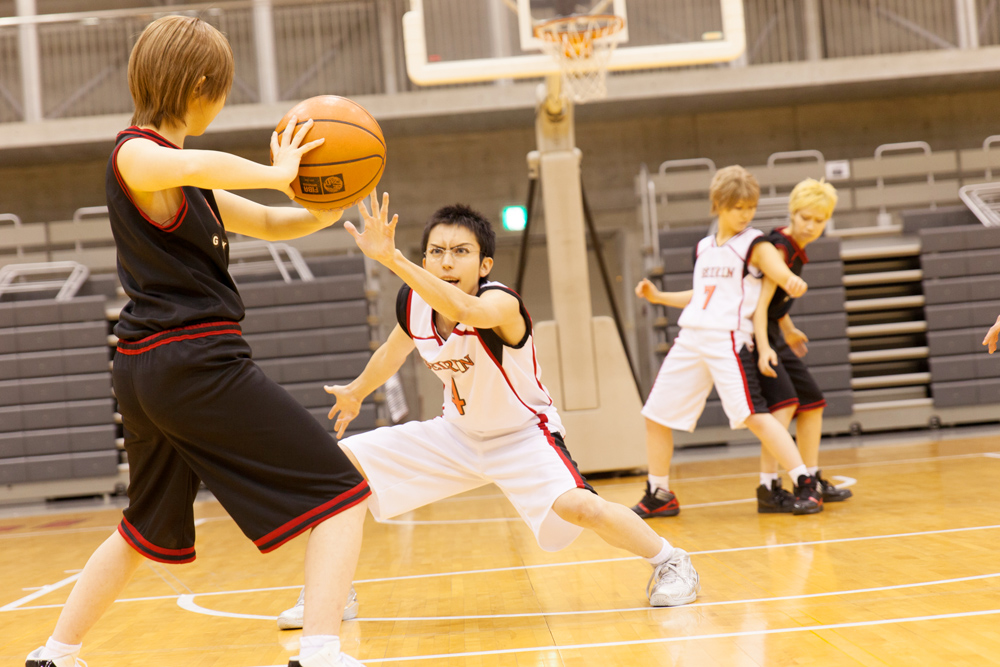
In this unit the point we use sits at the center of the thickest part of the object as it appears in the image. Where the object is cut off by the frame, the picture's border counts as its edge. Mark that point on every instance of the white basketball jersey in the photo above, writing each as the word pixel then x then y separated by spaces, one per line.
pixel 489 386
pixel 726 286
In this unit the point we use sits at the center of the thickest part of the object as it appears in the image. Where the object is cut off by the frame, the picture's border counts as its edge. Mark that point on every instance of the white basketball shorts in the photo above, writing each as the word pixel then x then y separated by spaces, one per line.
pixel 697 359
pixel 416 463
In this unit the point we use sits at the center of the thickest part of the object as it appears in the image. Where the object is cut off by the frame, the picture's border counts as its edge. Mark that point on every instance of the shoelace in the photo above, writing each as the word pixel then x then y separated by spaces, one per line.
pixel 671 567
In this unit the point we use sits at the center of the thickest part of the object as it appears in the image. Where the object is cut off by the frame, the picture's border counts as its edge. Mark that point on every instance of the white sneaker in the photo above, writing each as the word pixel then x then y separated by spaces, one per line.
pixel 291 619
pixel 33 660
pixel 674 581
pixel 326 658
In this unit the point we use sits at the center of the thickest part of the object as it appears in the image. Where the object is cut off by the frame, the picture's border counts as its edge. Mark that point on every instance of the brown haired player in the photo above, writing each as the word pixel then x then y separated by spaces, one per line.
pixel 715 345
pixel 193 404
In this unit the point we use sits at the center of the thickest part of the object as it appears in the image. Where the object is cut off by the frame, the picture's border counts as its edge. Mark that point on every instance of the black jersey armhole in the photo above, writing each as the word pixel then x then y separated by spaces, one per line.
pixel 750 249
pixel 403 309
pixel 491 339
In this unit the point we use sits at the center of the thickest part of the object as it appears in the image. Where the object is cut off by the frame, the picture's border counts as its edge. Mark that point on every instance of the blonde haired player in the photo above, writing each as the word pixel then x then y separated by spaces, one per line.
pixel 194 406
pixel 715 345
pixel 499 424
pixel 788 386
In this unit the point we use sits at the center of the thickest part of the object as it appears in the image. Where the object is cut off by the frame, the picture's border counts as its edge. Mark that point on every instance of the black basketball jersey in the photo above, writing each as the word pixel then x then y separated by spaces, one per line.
pixel 795 257
pixel 176 273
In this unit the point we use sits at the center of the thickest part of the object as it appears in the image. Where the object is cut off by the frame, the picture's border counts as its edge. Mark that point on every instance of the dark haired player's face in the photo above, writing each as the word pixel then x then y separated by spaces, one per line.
pixel 452 254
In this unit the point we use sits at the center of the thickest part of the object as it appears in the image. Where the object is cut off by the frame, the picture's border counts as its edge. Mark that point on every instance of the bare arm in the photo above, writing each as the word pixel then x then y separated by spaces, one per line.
pixel 767 258
pixel 494 309
pixel 386 361
pixel 146 166
pixel 270 223
pixel 766 356
pixel 797 340
pixel 647 290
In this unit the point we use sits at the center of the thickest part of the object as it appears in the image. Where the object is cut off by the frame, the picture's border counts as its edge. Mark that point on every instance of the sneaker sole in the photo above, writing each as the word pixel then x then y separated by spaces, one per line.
pixel 772 510
pixel 653 515
pixel 674 602
pixel 837 499
pixel 811 510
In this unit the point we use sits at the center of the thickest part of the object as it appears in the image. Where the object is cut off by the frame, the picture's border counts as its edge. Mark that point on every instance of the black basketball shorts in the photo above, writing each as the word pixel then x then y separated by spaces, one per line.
pixel 196 408
pixel 794 385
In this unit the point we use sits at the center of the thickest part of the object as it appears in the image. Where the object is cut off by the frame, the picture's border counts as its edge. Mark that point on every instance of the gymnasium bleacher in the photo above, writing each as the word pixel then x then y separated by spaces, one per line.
pixel 309 321
pixel 898 293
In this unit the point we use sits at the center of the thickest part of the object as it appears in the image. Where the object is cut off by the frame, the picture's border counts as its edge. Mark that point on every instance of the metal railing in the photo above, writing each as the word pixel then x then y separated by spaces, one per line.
pixel 74 65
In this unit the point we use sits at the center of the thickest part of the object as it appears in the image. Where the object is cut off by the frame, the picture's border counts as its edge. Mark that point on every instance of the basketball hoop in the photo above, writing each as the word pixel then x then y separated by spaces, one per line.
pixel 579 45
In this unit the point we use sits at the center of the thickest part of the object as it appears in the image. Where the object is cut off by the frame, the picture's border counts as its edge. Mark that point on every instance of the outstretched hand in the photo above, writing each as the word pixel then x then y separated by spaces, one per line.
pixel 378 240
pixel 346 404
pixel 287 151
pixel 991 337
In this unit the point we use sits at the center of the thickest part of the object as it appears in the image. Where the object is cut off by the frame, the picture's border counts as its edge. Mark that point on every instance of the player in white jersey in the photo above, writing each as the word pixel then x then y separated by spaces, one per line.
pixel 715 345
pixel 499 424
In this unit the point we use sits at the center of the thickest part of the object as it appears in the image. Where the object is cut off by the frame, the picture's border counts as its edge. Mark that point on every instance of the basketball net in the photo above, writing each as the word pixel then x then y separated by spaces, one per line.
pixel 577 43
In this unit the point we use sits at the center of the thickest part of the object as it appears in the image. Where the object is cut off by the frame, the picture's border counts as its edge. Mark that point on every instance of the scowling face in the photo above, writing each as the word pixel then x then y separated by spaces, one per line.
pixel 453 255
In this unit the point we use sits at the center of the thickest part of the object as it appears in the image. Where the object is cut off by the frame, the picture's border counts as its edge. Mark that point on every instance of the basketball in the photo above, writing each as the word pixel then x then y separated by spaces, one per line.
pixel 348 165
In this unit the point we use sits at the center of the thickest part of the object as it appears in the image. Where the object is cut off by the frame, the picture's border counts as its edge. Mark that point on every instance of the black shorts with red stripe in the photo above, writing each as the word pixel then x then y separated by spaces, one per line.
pixel 195 408
pixel 794 385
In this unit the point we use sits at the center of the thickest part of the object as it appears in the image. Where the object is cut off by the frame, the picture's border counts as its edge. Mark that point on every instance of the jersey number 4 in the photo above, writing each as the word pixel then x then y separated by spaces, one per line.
pixel 709 291
pixel 456 398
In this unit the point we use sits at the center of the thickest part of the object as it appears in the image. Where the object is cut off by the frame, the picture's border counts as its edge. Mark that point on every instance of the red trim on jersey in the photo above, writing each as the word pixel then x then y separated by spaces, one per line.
pixel 164 337
pixel 178 217
pixel 504 374
pixel 799 252
pixel 577 477
pixel 739 364
pixel 174 339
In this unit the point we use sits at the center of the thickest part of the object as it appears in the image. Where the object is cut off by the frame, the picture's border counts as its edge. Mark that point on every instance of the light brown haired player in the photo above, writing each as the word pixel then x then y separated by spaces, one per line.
pixel 715 345
pixel 194 406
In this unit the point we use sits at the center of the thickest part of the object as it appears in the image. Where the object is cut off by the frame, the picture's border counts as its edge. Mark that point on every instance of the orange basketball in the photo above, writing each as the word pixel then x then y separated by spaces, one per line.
pixel 348 165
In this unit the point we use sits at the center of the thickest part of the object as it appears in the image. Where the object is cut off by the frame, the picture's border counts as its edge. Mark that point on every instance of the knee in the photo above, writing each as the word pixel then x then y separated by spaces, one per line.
pixel 580 508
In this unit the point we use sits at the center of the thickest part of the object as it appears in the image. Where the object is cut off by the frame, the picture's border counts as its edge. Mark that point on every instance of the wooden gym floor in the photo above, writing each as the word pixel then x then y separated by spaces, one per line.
pixel 905 573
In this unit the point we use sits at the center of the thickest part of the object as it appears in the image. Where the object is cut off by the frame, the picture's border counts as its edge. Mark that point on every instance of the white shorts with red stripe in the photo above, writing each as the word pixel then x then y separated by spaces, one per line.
pixel 698 359
pixel 417 463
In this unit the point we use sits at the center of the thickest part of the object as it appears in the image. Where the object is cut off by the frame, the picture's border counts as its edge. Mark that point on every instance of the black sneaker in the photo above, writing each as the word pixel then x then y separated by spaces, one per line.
pixel 661 503
pixel 774 500
pixel 831 494
pixel 807 499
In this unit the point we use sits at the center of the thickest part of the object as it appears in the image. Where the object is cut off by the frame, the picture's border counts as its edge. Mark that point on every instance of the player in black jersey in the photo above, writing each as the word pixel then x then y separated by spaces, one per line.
pixel 788 387
pixel 193 404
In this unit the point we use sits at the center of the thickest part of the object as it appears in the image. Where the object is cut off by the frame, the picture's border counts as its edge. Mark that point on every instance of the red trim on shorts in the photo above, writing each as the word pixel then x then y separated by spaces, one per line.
pixel 739 364
pixel 811 406
pixel 150 550
pixel 783 404
pixel 300 524
pixel 577 477
pixel 165 336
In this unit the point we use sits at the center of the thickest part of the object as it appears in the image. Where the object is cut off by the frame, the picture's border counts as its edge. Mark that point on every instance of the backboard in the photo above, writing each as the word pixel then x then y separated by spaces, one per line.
pixel 498 35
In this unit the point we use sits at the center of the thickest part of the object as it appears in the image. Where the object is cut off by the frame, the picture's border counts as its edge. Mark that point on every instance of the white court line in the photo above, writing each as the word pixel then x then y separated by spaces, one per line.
pixel 992 455
pixel 670 640
pixel 549 565
pixel 187 602
pixel 39 593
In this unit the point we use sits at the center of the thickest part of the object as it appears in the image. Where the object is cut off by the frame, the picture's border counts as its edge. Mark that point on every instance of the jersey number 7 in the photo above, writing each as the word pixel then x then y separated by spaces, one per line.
pixel 709 291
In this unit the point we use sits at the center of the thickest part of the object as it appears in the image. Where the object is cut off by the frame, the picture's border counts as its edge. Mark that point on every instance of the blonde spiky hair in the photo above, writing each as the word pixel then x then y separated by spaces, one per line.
pixel 817 195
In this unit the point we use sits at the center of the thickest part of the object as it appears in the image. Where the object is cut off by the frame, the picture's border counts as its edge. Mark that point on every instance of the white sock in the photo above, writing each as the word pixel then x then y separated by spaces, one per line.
pixel 313 644
pixel 665 553
pixel 813 470
pixel 658 482
pixel 798 472
pixel 766 478
pixel 54 649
